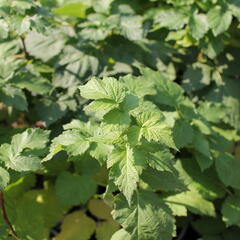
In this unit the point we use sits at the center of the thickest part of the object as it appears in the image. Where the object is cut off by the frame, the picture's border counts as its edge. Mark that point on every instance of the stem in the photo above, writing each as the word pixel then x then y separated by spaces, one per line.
pixel 182 233
pixel 24 47
pixel 5 216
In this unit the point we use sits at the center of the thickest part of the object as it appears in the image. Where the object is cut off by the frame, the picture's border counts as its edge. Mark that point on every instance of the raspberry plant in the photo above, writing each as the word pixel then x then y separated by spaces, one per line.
pixel 119 120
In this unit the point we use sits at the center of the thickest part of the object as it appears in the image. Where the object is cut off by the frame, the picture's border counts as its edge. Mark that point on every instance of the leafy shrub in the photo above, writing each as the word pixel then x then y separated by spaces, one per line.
pixel 119 119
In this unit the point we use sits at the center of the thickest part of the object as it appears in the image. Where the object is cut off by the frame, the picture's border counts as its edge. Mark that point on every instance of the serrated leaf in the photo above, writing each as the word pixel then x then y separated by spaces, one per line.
pixel 123 171
pixel 154 128
pixel 108 88
pixel 138 85
pixel 169 93
pixel 148 218
pixel 73 142
pixel 25 149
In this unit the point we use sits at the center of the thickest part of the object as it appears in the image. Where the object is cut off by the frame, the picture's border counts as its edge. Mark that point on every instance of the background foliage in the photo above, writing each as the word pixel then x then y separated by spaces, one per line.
pixel 120 119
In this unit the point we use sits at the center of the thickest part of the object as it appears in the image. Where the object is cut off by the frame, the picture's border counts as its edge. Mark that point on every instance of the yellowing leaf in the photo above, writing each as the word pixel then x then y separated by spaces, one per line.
pixel 76 226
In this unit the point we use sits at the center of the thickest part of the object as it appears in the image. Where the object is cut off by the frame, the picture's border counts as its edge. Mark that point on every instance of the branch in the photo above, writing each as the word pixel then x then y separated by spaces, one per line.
pixel 182 233
pixel 24 47
pixel 5 216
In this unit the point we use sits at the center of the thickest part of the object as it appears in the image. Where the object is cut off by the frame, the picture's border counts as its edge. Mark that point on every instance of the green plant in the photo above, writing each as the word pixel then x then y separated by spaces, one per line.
pixel 119 120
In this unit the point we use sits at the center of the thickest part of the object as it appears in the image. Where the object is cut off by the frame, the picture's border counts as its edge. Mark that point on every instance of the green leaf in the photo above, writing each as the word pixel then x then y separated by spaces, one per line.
pixel 81 190
pixel 72 10
pixel 4 178
pixel 197 76
pixel 234 6
pixel 108 88
pixel 219 19
pixel 148 218
pixel 34 84
pixel 161 160
pixel 182 133
pixel 76 226
pixel 162 180
pixel 171 19
pixel 14 97
pixel 138 86
pixel 131 27
pixel 231 210
pixel 169 93
pixel 201 144
pixel 24 152
pixel 198 24
pixel 50 111
pixel 117 117
pixel 106 229
pixel 100 209
pixel 4 29
pixel 123 171
pixel 44 47
pixel 73 142
pixel 121 235
pixel 193 201
pixel 227 168
pixel 154 128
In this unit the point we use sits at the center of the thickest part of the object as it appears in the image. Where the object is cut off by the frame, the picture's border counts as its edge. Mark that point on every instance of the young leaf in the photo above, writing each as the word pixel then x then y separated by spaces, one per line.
pixel 123 171
pixel 154 128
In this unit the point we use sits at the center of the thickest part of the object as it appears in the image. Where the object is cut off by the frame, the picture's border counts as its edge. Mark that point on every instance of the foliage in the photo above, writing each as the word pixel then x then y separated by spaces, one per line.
pixel 119 119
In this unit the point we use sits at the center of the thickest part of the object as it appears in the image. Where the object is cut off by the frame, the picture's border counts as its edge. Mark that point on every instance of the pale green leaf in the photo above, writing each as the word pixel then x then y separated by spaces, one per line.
pixel 73 142
pixel 153 127
pixel 72 10
pixel 108 88
pixel 219 19
pixel 4 178
pixel 198 24
pixel 171 19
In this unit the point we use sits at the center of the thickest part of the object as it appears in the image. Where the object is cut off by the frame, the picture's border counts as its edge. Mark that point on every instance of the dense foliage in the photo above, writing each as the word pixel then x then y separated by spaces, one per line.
pixel 119 119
